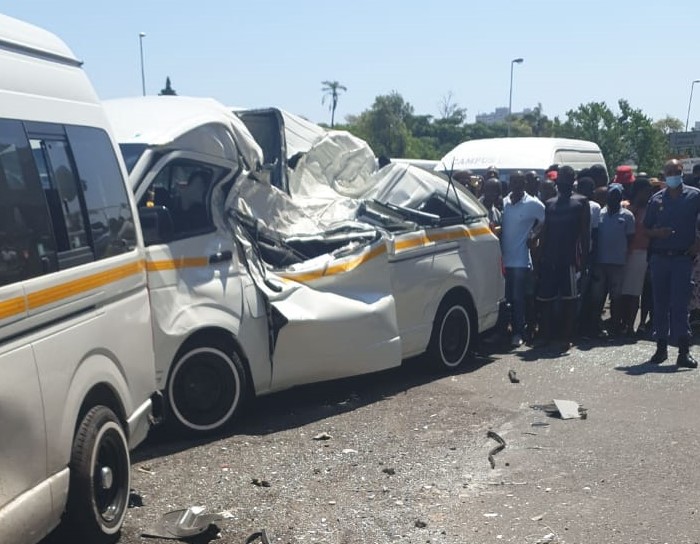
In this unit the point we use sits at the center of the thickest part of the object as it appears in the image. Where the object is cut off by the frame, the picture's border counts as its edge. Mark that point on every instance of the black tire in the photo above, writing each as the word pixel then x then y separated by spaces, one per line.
pixel 452 336
pixel 207 386
pixel 100 476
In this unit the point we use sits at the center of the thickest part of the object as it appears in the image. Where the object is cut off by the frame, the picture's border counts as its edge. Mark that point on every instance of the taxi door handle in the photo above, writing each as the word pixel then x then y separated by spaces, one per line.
pixel 220 257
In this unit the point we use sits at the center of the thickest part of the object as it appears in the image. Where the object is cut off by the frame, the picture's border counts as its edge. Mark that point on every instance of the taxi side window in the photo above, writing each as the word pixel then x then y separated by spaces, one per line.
pixel 27 246
pixel 64 197
pixel 111 221
pixel 183 187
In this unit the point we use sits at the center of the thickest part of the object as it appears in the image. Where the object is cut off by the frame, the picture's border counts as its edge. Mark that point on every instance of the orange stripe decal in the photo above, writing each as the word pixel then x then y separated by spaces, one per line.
pixel 12 306
pixel 336 268
pixel 81 285
pixel 427 238
pixel 174 264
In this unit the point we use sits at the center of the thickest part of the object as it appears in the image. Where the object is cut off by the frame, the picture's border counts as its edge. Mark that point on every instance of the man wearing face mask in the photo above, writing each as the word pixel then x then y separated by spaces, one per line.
pixel 670 222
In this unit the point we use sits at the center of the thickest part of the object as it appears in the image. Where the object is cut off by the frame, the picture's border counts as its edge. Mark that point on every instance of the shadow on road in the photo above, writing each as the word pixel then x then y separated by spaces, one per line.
pixel 309 403
pixel 649 368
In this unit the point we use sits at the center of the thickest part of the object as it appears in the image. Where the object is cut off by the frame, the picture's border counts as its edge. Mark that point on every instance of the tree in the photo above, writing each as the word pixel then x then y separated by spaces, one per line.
pixel 167 90
pixel 669 124
pixel 385 125
pixel 331 90
pixel 540 125
pixel 627 137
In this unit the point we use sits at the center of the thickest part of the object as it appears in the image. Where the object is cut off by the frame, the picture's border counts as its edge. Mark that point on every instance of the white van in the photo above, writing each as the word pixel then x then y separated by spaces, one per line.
pixel 511 154
pixel 76 351
pixel 224 328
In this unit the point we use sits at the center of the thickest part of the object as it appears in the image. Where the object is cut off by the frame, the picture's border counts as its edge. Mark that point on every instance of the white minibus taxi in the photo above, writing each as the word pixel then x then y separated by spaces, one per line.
pixel 512 154
pixel 76 353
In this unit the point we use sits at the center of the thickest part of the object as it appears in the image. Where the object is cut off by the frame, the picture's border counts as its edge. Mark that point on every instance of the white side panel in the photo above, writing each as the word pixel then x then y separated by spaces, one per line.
pixel 28 518
pixel 110 345
pixel 23 447
pixel 188 293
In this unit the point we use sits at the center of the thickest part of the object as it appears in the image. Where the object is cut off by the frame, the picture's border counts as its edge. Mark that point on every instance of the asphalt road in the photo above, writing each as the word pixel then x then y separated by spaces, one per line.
pixel 406 458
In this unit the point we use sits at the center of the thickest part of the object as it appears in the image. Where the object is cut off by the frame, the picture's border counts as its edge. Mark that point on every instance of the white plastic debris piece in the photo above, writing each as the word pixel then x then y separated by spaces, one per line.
pixel 322 436
pixel 180 524
pixel 537 518
pixel 547 539
pixel 568 409
pixel 491 515
pixel 349 450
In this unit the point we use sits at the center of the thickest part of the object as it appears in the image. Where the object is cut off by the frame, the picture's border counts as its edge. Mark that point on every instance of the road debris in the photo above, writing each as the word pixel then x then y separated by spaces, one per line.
pixel 501 445
pixel 390 471
pixel 420 524
pixel 547 539
pixel 262 535
pixel 135 500
pixel 184 524
pixel 322 436
pixel 146 470
pixel 513 377
pixel 537 518
pixel 568 409
pixel 260 483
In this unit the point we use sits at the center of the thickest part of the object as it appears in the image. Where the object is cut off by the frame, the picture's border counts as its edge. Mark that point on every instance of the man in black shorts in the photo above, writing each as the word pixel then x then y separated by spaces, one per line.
pixel 565 244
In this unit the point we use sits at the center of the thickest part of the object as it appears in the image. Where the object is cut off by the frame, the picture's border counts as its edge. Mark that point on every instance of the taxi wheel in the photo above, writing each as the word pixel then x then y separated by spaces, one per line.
pixel 451 338
pixel 100 475
pixel 207 385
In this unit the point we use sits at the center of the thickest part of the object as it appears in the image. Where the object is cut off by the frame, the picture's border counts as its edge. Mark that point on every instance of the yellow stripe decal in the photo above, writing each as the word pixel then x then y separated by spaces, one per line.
pixel 426 238
pixel 174 264
pixel 81 285
pixel 12 306
pixel 336 268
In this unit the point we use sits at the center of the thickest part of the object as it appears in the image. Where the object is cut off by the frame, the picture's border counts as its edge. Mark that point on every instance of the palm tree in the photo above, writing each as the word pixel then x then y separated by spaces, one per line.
pixel 331 89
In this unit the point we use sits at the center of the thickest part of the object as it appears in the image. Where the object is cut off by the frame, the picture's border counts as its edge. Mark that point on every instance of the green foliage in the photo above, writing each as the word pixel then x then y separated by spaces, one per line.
pixel 624 138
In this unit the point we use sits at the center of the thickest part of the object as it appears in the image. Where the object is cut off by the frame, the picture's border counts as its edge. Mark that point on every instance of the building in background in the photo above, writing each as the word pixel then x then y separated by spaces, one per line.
pixel 500 115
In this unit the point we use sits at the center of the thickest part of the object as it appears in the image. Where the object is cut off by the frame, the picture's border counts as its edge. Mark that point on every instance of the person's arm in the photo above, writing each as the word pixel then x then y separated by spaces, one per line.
pixel 584 233
pixel 650 219
pixel 630 228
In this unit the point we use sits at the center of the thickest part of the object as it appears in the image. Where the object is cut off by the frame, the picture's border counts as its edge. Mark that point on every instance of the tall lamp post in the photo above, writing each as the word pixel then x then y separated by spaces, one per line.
pixel 510 94
pixel 690 101
pixel 142 35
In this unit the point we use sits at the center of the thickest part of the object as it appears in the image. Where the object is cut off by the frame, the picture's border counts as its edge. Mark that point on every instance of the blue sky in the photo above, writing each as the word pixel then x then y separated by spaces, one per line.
pixel 266 52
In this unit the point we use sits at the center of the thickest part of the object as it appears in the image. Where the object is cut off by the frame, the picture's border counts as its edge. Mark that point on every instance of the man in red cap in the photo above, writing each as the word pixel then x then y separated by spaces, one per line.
pixel 625 177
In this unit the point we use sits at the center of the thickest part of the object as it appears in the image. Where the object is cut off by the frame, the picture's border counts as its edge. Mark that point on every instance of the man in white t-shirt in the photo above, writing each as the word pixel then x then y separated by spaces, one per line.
pixel 523 217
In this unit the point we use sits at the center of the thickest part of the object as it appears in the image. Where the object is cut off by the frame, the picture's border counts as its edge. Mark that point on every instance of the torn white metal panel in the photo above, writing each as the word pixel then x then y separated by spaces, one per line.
pixel 340 315
pixel 337 164
pixel 184 123
pixel 332 336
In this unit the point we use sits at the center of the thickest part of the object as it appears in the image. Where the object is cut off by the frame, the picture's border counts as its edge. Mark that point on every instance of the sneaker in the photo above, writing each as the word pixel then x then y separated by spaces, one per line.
pixel 686 360
pixel 516 341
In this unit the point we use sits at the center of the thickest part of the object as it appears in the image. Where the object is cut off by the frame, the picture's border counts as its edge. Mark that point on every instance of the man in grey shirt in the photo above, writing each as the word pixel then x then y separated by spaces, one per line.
pixel 615 232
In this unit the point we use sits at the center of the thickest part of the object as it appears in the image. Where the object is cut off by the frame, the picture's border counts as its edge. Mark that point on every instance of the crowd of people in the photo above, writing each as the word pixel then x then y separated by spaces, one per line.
pixel 576 244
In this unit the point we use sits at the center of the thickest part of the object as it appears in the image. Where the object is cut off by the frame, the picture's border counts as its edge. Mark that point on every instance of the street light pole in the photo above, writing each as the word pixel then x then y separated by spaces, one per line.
pixel 510 94
pixel 142 35
pixel 690 101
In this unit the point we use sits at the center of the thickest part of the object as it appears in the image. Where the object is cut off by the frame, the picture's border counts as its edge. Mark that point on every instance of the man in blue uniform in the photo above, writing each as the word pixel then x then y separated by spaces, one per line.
pixel 671 223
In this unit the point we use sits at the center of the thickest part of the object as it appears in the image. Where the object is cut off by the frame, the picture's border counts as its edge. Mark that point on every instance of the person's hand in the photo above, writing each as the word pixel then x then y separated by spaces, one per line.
pixel 663 232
